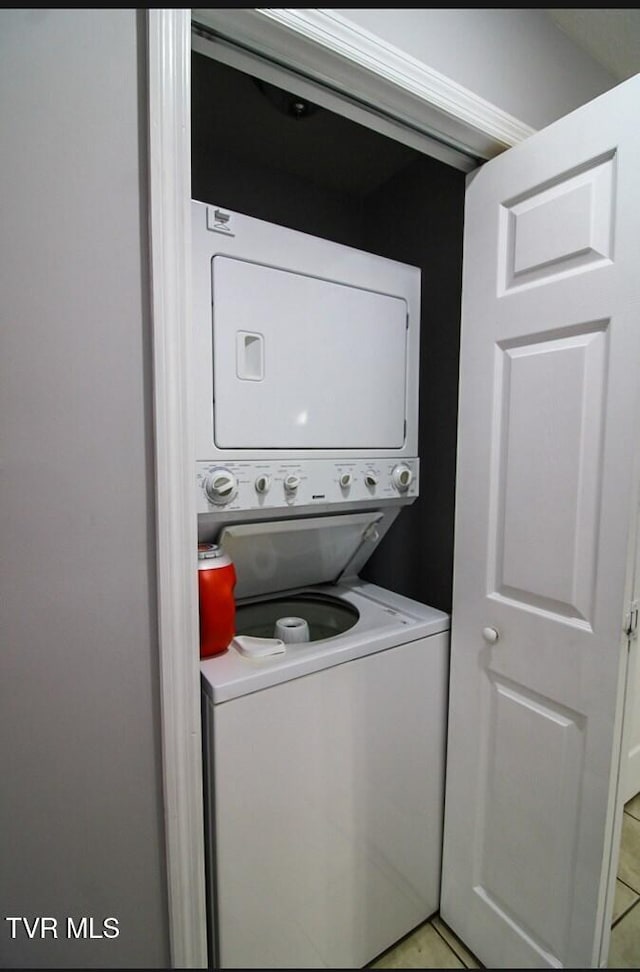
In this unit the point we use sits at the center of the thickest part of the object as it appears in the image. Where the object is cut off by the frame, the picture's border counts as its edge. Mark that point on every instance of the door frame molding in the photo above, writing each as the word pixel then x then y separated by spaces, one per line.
pixel 327 49
pixel 169 173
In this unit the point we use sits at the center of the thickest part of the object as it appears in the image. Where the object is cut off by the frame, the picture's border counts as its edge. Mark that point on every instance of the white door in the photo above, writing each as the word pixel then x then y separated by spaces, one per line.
pixel 546 497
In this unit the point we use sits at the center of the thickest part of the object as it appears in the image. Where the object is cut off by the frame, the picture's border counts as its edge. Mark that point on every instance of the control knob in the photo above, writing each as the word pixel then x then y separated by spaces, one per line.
pixel 291 484
pixel 402 477
pixel 371 479
pixel 263 483
pixel 221 486
pixel 345 480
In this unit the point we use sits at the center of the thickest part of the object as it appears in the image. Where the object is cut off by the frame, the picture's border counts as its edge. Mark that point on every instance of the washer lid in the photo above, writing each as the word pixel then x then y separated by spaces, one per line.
pixel 283 555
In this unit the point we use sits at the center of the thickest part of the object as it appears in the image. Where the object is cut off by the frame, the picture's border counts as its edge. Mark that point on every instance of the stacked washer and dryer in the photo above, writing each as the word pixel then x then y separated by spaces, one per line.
pixel 324 722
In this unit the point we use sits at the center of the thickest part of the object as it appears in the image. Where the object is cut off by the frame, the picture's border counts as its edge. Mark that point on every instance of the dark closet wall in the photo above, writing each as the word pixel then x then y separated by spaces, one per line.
pixel 325 175
pixel 422 225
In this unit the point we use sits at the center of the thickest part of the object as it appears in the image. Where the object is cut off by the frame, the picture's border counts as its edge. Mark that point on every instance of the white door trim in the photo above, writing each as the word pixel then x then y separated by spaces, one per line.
pixel 323 47
pixel 169 38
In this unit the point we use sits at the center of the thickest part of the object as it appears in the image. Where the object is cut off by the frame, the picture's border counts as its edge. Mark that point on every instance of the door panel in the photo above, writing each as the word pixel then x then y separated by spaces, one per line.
pixel 549 464
pixel 543 789
pixel 561 227
pixel 550 354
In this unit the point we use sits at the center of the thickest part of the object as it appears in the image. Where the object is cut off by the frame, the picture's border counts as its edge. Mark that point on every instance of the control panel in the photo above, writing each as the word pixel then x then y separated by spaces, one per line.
pixel 272 485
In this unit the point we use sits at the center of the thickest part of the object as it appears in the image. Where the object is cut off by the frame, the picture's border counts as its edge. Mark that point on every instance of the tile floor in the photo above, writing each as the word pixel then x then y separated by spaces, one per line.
pixel 624 950
pixel 434 946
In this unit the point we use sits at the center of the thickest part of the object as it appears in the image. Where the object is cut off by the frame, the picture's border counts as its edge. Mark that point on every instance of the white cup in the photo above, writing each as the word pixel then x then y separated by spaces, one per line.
pixel 291 630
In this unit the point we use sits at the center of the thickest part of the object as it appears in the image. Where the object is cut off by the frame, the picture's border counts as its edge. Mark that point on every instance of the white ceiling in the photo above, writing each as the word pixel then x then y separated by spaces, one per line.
pixel 611 37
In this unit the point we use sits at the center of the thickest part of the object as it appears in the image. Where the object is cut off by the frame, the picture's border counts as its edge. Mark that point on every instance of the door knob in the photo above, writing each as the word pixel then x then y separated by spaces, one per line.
pixel 490 635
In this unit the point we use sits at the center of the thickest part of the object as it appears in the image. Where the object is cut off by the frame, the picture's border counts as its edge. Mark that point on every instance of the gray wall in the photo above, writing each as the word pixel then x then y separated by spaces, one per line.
pixel 81 830
pixel 516 59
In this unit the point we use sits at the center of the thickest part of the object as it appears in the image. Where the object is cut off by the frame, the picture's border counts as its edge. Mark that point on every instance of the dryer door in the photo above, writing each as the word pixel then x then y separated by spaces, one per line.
pixel 304 362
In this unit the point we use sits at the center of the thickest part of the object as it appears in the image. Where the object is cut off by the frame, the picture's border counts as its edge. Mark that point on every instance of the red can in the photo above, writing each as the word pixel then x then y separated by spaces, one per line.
pixel 216 581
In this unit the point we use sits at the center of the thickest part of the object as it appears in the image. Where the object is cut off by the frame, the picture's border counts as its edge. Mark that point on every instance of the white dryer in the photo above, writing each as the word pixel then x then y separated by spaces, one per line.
pixel 323 758
pixel 302 347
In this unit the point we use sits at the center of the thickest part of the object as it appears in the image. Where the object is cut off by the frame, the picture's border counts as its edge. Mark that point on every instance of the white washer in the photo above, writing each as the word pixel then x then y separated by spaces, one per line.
pixel 324 769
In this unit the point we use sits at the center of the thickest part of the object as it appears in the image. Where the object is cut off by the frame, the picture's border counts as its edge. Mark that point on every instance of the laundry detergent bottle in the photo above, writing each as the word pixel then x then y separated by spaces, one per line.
pixel 216 581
